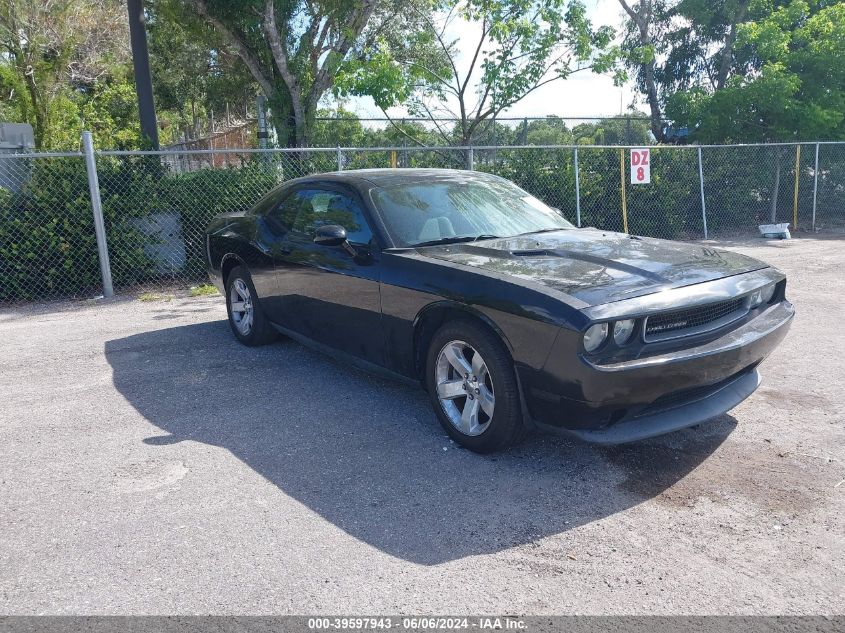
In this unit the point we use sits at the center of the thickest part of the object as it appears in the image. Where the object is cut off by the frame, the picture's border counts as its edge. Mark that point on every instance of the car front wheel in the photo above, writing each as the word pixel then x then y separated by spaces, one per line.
pixel 246 318
pixel 473 388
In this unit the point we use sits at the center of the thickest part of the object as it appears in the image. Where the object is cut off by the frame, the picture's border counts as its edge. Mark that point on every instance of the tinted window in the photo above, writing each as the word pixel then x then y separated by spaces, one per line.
pixel 308 209
pixel 272 199
pixel 422 212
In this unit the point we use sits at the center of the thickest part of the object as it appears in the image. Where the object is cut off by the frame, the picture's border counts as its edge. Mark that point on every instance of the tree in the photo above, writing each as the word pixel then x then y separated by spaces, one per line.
pixel 517 46
pixel 641 53
pixel 295 49
pixel 54 52
pixel 195 73
pixel 796 93
pixel 630 130
pixel 675 45
pixel 338 128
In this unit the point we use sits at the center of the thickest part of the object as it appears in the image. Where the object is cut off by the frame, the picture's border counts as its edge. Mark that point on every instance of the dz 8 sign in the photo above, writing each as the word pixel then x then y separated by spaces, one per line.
pixel 640 166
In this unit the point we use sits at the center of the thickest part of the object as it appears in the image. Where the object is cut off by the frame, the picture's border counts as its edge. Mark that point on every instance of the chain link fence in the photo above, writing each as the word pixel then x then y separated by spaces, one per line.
pixel 155 205
pixel 48 247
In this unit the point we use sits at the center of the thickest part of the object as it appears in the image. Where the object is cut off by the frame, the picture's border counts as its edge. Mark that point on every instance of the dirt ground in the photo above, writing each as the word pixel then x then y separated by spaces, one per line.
pixel 151 465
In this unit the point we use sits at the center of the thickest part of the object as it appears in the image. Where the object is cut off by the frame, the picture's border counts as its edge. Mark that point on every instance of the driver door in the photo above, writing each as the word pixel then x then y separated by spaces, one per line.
pixel 330 294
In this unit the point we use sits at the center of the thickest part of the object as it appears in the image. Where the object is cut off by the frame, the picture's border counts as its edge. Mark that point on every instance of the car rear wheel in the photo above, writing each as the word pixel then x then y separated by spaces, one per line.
pixel 473 388
pixel 246 318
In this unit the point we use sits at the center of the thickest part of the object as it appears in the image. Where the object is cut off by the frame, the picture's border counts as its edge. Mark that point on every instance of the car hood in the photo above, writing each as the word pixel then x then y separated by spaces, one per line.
pixel 597 266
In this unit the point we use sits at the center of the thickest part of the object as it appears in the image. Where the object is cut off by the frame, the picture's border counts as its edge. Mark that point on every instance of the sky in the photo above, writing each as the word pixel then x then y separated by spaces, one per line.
pixel 584 94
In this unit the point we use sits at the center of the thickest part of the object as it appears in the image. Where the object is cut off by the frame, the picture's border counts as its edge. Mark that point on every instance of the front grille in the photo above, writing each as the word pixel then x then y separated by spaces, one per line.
pixel 660 327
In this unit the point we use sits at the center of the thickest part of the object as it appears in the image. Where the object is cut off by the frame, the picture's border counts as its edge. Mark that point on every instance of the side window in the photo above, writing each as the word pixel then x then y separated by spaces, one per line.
pixel 315 208
pixel 270 200
pixel 289 208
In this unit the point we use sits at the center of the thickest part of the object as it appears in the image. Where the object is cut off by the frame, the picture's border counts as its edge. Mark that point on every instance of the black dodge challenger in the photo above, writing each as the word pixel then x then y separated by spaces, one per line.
pixel 512 318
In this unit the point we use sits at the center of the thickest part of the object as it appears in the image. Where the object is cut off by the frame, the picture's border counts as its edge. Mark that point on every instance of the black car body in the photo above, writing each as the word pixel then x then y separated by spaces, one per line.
pixel 700 327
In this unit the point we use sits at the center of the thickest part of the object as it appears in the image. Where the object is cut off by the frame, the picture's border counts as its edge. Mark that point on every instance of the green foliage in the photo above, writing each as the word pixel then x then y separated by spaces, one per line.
pixel 798 92
pixel 195 71
pixel 522 45
pixel 296 50
pixel 47 242
pixel 343 130
pixel 378 76
pixel 200 196
pixel 203 290
pixel 549 174
pixel 47 233
pixel 614 131
pixel 111 115
pixel 48 248
pixel 743 70
pixel 52 55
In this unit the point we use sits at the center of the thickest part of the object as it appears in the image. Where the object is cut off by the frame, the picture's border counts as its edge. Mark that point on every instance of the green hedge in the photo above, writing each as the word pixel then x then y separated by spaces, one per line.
pixel 48 247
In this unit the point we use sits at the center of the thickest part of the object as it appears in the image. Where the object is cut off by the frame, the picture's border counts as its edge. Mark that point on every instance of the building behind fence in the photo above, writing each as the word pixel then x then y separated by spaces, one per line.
pixel 79 223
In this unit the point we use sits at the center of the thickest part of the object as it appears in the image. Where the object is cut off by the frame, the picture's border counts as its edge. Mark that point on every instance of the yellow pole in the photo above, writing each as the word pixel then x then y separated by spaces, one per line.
pixel 795 198
pixel 624 198
pixel 393 159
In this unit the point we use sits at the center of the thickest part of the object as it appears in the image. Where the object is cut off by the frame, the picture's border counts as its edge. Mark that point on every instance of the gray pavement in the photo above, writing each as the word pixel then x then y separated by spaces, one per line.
pixel 151 465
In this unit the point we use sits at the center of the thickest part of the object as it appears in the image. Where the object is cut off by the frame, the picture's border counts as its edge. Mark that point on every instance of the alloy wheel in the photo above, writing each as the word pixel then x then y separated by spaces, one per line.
pixel 240 300
pixel 464 387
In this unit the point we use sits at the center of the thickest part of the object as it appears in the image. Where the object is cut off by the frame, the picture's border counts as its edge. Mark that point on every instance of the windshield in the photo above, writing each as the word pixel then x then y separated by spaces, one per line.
pixel 452 210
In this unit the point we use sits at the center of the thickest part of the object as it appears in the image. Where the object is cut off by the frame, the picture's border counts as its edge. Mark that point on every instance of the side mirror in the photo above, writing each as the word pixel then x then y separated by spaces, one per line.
pixel 330 235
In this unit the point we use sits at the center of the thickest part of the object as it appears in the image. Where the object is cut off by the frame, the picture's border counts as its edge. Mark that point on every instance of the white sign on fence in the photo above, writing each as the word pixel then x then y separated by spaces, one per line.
pixel 640 166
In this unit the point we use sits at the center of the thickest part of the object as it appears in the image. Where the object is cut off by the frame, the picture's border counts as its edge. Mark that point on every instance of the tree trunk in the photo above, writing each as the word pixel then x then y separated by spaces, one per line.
pixel 39 110
pixel 728 49
pixel 281 117
pixel 40 128
pixel 653 101
pixel 642 19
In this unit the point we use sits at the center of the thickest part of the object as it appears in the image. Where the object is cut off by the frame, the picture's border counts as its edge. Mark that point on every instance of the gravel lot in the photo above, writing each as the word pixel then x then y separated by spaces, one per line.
pixel 151 465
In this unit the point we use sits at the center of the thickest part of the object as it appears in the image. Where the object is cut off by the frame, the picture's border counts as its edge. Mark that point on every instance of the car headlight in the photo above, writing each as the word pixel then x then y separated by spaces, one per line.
pixel 768 292
pixel 595 336
pixel 622 331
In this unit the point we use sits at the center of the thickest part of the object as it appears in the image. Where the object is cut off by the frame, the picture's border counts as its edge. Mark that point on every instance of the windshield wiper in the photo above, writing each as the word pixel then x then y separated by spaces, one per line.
pixel 556 228
pixel 455 239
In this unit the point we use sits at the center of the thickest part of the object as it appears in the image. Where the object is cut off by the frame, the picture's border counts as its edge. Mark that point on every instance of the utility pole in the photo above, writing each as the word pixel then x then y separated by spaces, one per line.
pixel 143 78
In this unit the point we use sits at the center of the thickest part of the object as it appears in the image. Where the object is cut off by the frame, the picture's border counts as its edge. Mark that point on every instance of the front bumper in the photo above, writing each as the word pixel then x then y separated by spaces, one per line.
pixel 644 397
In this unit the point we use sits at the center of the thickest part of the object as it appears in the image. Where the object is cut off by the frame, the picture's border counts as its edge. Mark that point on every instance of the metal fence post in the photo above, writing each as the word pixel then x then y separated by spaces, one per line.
pixel 797 176
pixel 701 184
pixel 577 190
pixel 815 186
pixel 97 207
pixel 471 159
pixel 624 198
pixel 339 159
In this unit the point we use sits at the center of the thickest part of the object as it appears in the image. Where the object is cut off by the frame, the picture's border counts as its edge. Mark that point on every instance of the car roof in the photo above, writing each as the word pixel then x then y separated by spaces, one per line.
pixel 389 177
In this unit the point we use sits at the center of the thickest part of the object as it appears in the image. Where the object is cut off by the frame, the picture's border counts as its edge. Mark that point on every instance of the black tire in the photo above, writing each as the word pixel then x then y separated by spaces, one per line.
pixel 505 428
pixel 260 331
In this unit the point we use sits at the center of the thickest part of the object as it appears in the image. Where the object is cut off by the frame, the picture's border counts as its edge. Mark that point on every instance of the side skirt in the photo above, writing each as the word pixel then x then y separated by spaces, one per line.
pixel 346 358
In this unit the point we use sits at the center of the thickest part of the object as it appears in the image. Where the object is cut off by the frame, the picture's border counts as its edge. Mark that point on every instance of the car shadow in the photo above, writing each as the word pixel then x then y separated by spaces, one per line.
pixel 368 455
